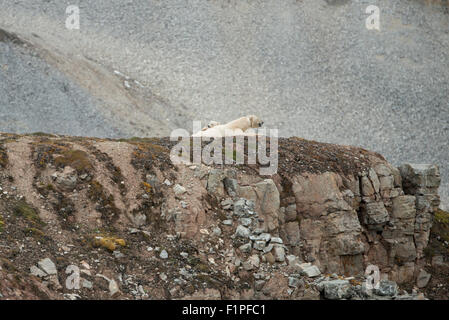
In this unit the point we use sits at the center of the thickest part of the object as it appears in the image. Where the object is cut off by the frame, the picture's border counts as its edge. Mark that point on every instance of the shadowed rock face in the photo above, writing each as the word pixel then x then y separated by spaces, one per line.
pixel 197 231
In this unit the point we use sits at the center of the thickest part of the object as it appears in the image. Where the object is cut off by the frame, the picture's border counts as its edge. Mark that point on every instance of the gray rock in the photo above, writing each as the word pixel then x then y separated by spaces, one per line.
pixel 35 271
pixel 252 263
pixel 244 208
pixel 227 222
pixel 293 282
pixel 259 245
pixel 242 232
pixel 279 254
pixel 245 221
pixel 216 232
pixel 276 240
pixel 227 204
pixel 386 288
pixel 423 278
pixel 87 284
pixel 48 266
pixel 268 248
pixel 309 270
pixel 336 289
pixel 261 237
pixel 259 284
pixel 179 190
pixel 231 186
pixel 246 248
pixel 163 254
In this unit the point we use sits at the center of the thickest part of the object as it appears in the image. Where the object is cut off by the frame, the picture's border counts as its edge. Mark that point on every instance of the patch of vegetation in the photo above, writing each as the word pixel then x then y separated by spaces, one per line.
pixel 76 159
pixel 2 224
pixel 35 233
pixel 42 134
pixel 147 187
pixel 442 217
pixel 439 235
pixel 105 201
pixel 26 211
pixel 109 243
pixel 3 157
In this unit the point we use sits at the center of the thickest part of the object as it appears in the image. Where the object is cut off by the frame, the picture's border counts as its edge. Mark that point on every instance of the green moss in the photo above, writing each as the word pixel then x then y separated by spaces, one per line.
pixel 106 205
pixel 442 216
pixel 42 134
pixel 2 224
pixel 35 233
pixel 3 157
pixel 76 159
pixel 26 211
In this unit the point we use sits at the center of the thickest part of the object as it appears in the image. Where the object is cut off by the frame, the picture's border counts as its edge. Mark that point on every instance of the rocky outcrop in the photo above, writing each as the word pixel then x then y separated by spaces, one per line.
pixel 122 212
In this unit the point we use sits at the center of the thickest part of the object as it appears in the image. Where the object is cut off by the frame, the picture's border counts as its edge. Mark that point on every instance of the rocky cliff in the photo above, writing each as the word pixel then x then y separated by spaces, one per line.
pixel 99 218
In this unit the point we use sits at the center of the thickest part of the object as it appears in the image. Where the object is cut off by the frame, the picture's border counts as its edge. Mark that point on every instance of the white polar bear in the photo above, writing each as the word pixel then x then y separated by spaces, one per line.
pixel 233 128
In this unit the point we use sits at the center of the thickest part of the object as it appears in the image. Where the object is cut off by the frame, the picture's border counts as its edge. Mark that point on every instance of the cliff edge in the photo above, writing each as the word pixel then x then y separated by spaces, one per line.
pixel 87 218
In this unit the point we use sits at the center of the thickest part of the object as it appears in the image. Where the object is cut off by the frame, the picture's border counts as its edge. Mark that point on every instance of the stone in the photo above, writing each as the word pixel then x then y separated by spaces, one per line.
pixel 253 262
pixel 420 178
pixel 269 200
pixel 279 254
pixel 179 190
pixel 292 231
pixel 139 219
pixel 386 183
pixel 246 222
pixel 261 237
pixel 216 231
pixel 423 278
pixel 386 288
pixel 259 245
pixel 293 282
pixel 113 288
pixel 367 187
pixel 163 254
pixel 244 208
pixel 270 258
pixel 227 222
pixel 374 180
pixel 35 271
pixel 309 270
pixel 231 186
pixel 246 248
pixel 404 207
pixel 48 266
pixel 375 213
pixel 227 204
pixel 87 284
pixel 276 240
pixel 268 248
pixel 242 232
pixel 336 289
pixel 215 182
pixel 259 284
pixel 290 213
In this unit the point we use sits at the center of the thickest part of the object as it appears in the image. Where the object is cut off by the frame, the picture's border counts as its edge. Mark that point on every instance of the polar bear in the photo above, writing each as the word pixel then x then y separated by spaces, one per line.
pixel 237 127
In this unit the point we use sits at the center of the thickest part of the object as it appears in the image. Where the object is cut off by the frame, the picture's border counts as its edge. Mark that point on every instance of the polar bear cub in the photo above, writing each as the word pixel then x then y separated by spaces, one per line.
pixel 233 128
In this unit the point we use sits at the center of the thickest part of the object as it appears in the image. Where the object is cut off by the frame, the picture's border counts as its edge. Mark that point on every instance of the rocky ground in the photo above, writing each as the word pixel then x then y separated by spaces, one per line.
pixel 132 225
pixel 309 68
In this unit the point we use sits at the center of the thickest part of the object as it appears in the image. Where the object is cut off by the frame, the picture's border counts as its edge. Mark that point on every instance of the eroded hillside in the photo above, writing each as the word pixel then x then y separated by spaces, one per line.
pixel 136 226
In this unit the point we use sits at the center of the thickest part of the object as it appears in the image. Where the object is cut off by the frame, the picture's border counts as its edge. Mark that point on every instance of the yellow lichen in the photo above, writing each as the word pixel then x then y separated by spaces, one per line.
pixel 109 243
pixel 24 210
